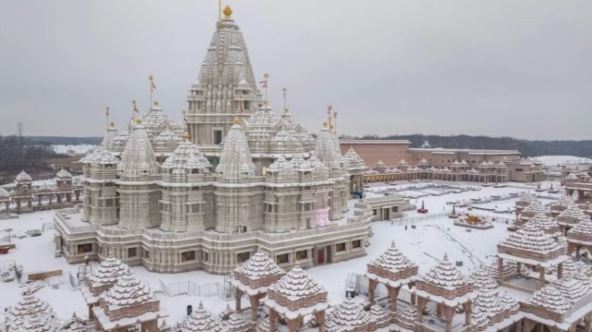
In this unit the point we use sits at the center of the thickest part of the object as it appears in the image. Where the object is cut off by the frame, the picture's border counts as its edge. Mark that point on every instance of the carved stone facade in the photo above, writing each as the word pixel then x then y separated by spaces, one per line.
pixel 155 198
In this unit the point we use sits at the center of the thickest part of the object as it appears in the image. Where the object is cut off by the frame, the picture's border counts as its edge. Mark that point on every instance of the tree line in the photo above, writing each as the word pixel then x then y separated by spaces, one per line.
pixel 17 153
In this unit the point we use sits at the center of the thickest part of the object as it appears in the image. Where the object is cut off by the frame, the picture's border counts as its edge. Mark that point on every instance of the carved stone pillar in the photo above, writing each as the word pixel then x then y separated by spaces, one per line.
pixel 238 294
pixel 393 294
pixel 371 289
pixel 320 316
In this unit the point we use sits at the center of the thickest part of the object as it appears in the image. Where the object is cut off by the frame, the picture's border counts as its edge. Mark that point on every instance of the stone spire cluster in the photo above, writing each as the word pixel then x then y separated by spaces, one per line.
pixel 31 314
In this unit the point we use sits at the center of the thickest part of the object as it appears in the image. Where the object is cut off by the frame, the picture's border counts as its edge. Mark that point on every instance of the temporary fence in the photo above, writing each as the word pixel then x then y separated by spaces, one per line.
pixel 188 287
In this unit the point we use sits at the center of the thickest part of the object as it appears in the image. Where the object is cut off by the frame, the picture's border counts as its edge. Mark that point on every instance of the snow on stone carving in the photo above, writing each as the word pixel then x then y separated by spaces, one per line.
pixel 108 272
pixel 200 320
pixel 186 158
pixel 489 303
pixel 30 315
pixel 531 239
pixel 510 303
pixel 550 298
pixel 347 316
pixel 126 292
pixel 235 161
pixel 353 161
pixel 445 275
pixel 296 284
pixel 572 215
pixel 571 288
pixel 483 280
pixel 392 265
pixel 259 265
pixel 236 323
pixel 138 161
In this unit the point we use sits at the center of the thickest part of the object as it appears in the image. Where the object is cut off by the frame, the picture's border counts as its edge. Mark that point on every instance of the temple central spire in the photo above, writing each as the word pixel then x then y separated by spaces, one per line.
pixel 226 87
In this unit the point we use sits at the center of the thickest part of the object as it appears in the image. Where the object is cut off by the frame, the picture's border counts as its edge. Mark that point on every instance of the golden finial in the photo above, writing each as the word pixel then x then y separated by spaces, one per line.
pixel 236 120
pixel 227 12
pixel 112 125
pixel 325 124
pixel 156 103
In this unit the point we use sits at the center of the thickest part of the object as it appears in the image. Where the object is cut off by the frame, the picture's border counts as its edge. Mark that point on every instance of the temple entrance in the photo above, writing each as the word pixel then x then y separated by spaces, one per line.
pixel 322 254
pixel 386 213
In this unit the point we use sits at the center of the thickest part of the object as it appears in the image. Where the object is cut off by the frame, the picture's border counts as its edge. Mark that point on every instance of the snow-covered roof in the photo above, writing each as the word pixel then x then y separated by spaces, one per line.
pixel 572 288
pixel 297 284
pixel 236 323
pixel 353 161
pixel 23 177
pixel 489 303
pixel 445 275
pixel 4 193
pixel 392 264
pixel 572 215
pixel 550 298
pixel 349 315
pixel 200 320
pixel 483 280
pixel 583 230
pixel 64 174
pixel 127 291
pixel 530 240
pixel 108 272
pixel 30 314
pixel 259 265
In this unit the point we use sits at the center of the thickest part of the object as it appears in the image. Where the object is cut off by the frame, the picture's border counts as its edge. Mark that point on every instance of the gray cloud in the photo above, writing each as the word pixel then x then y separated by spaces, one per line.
pixel 516 68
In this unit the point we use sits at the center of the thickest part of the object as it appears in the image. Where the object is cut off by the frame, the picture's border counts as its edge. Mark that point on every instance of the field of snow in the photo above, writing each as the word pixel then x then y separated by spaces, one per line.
pixel 73 149
pixel 431 236
pixel 551 161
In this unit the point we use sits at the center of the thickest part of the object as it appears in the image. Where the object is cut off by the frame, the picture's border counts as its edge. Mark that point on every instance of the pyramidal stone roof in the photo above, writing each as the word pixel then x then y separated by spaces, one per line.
pixel 571 288
pixel 235 160
pixel 489 303
pixel 23 177
pixel 297 284
pixel 347 316
pixel 100 155
pixel 445 275
pixel 4 193
pixel 31 314
pixel 572 215
pixel 584 228
pixel 327 150
pixel 392 267
pixel 353 161
pixel 545 223
pixel 483 280
pixel 509 302
pixel 64 174
pixel 187 157
pixel 126 292
pixel 532 239
pixel 534 208
pixel 259 265
pixel 479 319
pixel 138 161
pixel 236 323
pixel 379 314
pixel 550 298
pixel 109 271
pixel 200 320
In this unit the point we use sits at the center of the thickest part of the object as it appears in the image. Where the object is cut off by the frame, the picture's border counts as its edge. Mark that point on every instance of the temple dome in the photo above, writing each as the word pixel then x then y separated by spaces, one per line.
pixel 235 160
pixel 23 177
pixel 138 160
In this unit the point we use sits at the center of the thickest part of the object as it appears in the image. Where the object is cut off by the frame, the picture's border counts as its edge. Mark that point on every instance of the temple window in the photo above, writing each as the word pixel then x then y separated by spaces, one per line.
pixel 84 248
pixel 217 133
pixel 243 257
pixel 205 256
pixel 340 247
pixel 132 252
pixel 282 259
pixel 188 256
pixel 356 244
pixel 146 254
pixel 301 254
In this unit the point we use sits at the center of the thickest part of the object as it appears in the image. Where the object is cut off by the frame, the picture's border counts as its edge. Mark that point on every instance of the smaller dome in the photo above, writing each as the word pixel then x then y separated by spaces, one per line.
pixel 63 174
pixel 23 177
pixel 4 193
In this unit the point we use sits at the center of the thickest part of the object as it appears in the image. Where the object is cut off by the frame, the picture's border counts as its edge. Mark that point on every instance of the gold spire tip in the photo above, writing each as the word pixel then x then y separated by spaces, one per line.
pixel 227 12
pixel 237 120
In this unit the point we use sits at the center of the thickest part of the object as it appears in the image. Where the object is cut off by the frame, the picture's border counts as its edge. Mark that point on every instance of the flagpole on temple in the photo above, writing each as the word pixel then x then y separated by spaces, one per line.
pixel 284 91
pixel 152 88
pixel 107 118
pixel 266 80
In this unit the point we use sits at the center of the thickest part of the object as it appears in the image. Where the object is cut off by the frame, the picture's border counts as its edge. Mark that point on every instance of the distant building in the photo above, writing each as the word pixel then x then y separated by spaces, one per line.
pixel 391 160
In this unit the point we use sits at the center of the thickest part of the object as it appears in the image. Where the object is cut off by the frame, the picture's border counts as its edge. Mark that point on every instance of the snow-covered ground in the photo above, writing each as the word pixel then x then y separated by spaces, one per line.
pixel 431 236
pixel 561 160
pixel 73 148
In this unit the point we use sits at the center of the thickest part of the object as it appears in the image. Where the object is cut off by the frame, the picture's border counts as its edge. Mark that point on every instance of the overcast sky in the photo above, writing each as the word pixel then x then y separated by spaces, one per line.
pixel 492 67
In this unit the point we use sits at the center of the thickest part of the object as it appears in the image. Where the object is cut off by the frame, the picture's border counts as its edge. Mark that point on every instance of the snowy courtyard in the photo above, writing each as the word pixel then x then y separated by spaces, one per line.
pixel 424 238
